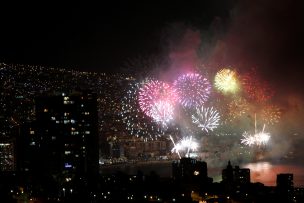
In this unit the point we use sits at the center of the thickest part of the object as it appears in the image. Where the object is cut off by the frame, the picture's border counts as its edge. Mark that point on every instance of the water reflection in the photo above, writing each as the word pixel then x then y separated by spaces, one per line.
pixel 266 172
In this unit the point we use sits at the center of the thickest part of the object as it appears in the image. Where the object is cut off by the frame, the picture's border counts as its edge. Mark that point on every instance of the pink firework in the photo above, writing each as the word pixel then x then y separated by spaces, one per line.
pixel 192 89
pixel 154 93
pixel 255 88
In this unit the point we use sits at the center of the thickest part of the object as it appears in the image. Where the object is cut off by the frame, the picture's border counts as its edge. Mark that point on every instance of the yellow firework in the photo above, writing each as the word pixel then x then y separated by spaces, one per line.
pixel 226 81
pixel 271 114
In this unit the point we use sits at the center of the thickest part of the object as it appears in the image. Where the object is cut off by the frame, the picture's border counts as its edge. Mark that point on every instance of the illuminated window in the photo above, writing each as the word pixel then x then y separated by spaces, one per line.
pixel 86 113
pixel 32 132
pixel 196 173
pixel 66 121
pixel 45 110
pixel 68 165
pixel 67 152
pixel 66 98
pixel 72 121
pixel 53 118
pixel 87 132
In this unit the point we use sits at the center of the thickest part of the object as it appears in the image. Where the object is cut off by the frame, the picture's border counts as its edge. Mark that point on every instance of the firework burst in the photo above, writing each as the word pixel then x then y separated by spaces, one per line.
pixel 186 145
pixel 226 81
pixel 258 139
pixel 271 114
pixel 152 95
pixel 206 118
pixel 237 108
pixel 162 112
pixel 136 122
pixel 256 89
pixel 192 89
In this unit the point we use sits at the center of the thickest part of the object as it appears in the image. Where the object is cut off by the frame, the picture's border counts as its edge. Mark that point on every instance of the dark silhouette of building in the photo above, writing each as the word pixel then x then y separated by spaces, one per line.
pixel 236 175
pixel 285 187
pixel 236 181
pixel 190 171
pixel 64 142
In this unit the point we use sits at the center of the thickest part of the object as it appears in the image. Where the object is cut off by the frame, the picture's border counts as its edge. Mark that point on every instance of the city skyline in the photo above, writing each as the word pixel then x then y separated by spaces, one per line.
pixel 213 80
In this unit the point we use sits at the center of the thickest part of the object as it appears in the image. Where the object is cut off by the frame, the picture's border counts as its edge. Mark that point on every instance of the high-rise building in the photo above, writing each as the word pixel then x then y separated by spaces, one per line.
pixel 7 155
pixel 285 187
pixel 236 175
pixel 236 180
pixel 64 142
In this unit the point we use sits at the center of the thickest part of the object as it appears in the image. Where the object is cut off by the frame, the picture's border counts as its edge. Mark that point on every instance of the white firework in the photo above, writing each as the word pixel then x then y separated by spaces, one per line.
pixel 187 144
pixel 162 112
pixel 258 139
pixel 248 139
pixel 206 118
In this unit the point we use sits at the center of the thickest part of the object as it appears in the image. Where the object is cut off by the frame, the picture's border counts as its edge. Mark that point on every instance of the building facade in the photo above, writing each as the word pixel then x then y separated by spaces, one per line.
pixel 64 142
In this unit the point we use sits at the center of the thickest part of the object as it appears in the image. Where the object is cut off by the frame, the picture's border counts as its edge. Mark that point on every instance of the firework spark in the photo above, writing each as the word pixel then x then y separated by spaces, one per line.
pixel 226 81
pixel 136 122
pixel 258 139
pixel 255 88
pixel 152 94
pixel 271 114
pixel 192 89
pixel 162 111
pixel 237 108
pixel 187 144
pixel 206 118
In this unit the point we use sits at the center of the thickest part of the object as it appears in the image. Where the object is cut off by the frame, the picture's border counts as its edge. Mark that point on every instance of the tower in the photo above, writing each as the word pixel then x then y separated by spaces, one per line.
pixel 66 141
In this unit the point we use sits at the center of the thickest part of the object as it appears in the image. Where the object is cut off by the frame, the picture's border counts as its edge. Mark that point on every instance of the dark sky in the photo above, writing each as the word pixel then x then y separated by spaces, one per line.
pixel 101 37
pixel 95 36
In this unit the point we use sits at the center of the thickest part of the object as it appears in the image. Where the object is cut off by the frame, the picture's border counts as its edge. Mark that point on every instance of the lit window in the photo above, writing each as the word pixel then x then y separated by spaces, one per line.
pixel 67 165
pixel 196 173
pixel 87 132
pixel 53 118
pixel 66 121
pixel 53 138
pixel 45 110
pixel 86 113
pixel 72 121
pixel 66 98
pixel 32 132
pixel 67 152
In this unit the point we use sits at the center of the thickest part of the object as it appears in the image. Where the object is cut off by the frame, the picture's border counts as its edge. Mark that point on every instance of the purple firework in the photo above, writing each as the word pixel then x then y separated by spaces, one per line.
pixel 192 89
